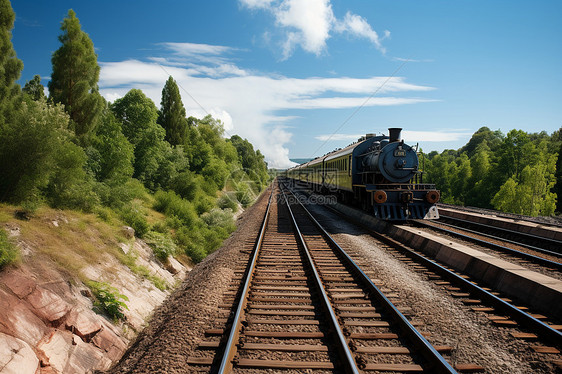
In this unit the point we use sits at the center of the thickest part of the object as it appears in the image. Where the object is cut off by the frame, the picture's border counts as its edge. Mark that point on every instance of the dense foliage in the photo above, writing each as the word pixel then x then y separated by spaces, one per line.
pixel 74 81
pixel 518 172
pixel 123 160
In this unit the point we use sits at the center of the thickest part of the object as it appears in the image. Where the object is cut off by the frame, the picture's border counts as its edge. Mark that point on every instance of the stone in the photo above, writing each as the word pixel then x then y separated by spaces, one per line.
pixel 17 320
pixel 48 305
pixel 109 342
pixel 128 231
pixel 175 267
pixel 16 356
pixel 57 347
pixel 83 323
pixel 18 283
pixel 85 358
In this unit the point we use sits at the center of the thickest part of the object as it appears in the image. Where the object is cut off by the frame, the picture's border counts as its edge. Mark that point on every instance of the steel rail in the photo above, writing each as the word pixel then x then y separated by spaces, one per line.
pixel 541 260
pixel 234 334
pixel 528 246
pixel 536 238
pixel 349 363
pixel 522 317
pixel 436 362
pixel 513 216
pixel 525 319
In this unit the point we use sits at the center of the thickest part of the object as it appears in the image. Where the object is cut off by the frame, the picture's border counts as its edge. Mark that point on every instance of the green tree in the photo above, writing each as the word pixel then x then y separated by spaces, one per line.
pixel 137 114
pixel 110 154
pixel 172 114
pixel 34 88
pixel 28 148
pixel 483 134
pixel 252 161
pixel 461 178
pixel 156 164
pixel 532 196
pixel 74 81
pixel 507 199
pixel 482 190
pixel 10 65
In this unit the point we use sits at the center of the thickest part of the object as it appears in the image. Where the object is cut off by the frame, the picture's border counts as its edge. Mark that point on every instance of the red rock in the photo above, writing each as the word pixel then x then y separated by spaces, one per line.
pixel 82 323
pixel 16 356
pixel 18 283
pixel 17 320
pixel 109 342
pixel 57 347
pixel 47 370
pixel 85 358
pixel 48 305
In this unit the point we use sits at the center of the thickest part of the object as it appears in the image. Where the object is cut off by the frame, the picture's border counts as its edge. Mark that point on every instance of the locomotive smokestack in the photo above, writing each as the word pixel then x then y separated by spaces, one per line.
pixel 394 133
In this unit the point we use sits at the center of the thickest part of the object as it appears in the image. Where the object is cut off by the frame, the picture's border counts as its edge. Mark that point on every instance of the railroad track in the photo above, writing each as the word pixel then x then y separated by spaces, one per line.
pixel 303 304
pixel 540 244
pixel 500 310
pixel 536 255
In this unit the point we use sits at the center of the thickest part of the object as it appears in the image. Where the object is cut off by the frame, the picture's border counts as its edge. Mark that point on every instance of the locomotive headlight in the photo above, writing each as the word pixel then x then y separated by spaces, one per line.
pixel 432 196
pixel 380 197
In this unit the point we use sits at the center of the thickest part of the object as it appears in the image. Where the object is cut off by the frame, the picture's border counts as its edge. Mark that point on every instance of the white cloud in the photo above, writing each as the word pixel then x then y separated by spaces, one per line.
pixel 311 21
pixel 193 49
pixel 309 24
pixel 358 26
pixel 248 103
pixel 338 137
pixel 256 4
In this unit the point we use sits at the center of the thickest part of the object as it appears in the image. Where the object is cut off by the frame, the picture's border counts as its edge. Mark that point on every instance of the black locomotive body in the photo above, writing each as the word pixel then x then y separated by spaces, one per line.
pixel 379 173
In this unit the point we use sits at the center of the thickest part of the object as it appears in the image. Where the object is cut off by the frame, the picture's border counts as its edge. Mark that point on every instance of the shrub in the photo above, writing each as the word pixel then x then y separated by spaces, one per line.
pixel 8 251
pixel 219 218
pixel 134 216
pixel 225 201
pixel 244 194
pixel 108 300
pixel 172 205
pixel 204 203
pixel 162 245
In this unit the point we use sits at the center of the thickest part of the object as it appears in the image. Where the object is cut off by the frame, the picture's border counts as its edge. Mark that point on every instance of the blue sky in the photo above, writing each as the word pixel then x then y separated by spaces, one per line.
pixel 299 78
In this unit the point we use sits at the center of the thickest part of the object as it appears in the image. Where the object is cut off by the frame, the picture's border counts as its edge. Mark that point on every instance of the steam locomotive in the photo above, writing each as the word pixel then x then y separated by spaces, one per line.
pixel 379 173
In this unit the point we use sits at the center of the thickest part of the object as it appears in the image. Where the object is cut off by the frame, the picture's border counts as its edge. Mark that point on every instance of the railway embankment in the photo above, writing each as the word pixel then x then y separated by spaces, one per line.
pixel 537 290
pixel 47 322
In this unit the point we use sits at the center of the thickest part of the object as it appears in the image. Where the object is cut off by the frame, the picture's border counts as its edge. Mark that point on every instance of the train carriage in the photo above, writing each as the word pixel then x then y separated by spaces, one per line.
pixel 379 173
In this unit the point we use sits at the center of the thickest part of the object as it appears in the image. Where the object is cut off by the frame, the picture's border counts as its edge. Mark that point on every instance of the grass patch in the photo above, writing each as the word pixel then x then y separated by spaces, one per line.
pixel 9 254
pixel 130 261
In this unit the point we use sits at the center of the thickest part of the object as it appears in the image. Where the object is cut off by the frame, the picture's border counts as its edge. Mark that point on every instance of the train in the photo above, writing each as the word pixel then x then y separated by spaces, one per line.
pixel 380 174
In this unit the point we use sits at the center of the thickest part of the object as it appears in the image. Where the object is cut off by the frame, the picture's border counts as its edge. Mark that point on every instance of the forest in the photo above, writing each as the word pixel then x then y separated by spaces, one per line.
pixel 71 149
pixel 518 172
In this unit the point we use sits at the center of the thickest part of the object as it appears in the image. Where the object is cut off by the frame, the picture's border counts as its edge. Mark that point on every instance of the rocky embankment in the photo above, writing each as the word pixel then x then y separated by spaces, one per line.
pixel 47 324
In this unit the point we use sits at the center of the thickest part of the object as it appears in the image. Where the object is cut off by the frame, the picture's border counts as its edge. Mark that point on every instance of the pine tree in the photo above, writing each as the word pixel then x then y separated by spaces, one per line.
pixel 172 114
pixel 74 81
pixel 10 65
